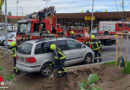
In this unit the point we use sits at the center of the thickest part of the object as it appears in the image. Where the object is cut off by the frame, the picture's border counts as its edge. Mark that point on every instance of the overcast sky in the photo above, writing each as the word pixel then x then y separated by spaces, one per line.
pixel 66 6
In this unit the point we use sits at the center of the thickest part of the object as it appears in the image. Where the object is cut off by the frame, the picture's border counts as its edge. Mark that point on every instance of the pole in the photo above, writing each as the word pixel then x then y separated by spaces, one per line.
pixel 121 50
pixel 116 49
pixel 92 17
pixel 6 51
pixel 17 8
pixel 127 49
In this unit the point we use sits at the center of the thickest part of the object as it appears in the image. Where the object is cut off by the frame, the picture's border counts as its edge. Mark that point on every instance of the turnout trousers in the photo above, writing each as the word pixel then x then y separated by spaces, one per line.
pixel 98 55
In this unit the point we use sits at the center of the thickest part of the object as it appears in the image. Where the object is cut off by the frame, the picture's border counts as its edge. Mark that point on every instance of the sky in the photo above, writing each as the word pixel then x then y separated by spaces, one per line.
pixel 66 6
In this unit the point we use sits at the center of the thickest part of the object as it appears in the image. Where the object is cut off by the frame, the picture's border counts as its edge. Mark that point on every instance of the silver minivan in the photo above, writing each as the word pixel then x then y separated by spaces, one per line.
pixel 36 56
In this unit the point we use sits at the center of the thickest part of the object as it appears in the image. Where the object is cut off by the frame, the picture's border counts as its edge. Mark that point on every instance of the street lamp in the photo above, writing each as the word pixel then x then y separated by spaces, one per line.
pixel 92 17
pixel 17 2
pixel 6 51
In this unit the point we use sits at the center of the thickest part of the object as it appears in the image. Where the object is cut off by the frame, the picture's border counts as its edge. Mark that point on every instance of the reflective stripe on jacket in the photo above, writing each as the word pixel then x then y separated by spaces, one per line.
pixel 59 55
pixel 14 51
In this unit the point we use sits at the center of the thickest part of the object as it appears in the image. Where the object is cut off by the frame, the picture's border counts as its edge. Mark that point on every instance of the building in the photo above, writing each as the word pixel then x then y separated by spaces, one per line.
pixel 84 19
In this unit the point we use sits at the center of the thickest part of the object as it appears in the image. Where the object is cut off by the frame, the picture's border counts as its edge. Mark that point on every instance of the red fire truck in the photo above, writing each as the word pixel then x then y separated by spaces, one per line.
pixel 83 36
pixel 39 24
pixel 112 27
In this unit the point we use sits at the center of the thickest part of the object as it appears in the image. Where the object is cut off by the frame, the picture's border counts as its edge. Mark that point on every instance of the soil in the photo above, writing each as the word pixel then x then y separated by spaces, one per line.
pixel 110 77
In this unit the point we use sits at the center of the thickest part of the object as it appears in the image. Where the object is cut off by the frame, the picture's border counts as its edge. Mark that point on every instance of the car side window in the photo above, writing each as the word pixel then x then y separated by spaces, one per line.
pixel 42 48
pixel 62 45
pixel 73 44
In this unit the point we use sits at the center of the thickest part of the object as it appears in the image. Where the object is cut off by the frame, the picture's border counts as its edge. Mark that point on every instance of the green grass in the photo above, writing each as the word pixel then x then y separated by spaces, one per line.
pixel 110 63
pixel 0 56
pixel 126 69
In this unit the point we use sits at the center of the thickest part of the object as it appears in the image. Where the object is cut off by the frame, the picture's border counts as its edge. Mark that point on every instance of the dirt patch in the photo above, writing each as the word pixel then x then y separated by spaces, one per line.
pixel 110 78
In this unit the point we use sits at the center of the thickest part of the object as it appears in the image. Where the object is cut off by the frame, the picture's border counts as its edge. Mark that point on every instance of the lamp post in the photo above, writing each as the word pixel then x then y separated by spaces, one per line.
pixel 92 17
pixel 6 51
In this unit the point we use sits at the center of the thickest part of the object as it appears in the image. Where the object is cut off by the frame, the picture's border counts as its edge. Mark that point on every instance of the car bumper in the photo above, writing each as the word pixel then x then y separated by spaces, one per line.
pixel 28 68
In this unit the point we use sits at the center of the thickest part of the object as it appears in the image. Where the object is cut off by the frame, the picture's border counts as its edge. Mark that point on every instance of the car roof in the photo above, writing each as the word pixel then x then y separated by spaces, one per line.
pixel 46 40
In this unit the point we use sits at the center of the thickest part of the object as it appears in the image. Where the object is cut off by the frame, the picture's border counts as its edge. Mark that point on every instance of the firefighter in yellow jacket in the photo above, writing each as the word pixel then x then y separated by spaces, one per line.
pixel 96 45
pixel 14 47
pixel 60 58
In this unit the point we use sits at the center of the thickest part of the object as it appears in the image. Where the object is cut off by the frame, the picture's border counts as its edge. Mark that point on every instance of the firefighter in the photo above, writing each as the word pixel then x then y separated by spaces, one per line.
pixel 72 34
pixel 96 45
pixel 59 61
pixel 14 47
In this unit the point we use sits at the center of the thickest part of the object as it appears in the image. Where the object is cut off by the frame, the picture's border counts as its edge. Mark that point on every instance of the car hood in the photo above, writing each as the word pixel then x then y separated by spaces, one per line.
pixel 2 37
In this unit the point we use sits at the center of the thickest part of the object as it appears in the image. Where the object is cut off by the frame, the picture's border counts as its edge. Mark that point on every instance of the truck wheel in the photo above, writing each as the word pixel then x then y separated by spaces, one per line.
pixel 46 70
pixel 88 59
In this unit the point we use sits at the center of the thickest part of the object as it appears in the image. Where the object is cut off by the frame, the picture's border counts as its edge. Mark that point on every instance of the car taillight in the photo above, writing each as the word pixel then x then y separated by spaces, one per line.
pixel 10 40
pixel 31 60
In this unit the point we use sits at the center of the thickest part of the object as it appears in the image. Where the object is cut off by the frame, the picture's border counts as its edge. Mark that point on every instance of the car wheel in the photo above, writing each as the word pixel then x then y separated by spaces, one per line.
pixel 88 59
pixel 46 70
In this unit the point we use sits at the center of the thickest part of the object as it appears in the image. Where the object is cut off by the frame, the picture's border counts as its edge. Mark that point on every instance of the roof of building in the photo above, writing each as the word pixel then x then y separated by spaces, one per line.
pixel 15 17
pixel 96 14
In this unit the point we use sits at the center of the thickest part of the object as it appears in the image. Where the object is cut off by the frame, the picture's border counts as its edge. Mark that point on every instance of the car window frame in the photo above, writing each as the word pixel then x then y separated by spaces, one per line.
pixel 41 43
pixel 74 48
pixel 65 43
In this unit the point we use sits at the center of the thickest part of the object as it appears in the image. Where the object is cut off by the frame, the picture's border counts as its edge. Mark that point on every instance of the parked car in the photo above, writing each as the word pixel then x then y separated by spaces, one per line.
pixel 11 28
pixel 11 38
pixel 3 38
pixel 36 56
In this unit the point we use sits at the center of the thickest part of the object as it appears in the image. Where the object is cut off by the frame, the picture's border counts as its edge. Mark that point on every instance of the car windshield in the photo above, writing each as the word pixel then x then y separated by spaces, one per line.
pixel 25 48
pixel 23 28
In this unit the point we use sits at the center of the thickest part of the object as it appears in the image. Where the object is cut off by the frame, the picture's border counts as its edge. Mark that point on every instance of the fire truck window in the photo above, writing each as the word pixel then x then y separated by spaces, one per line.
pixel 120 25
pixel 125 25
pixel 43 27
pixel 129 25
pixel 36 27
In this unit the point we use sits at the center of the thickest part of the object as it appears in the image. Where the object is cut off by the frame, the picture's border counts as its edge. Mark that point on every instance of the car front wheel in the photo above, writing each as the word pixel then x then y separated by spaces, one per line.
pixel 88 59
pixel 46 70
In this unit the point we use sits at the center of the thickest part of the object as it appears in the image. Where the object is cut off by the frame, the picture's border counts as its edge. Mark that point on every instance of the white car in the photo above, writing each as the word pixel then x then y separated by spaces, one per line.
pixel 11 39
pixel 11 28
pixel 3 38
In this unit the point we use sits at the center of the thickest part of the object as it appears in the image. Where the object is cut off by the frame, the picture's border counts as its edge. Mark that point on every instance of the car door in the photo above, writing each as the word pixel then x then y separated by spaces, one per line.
pixel 76 51
pixel 63 46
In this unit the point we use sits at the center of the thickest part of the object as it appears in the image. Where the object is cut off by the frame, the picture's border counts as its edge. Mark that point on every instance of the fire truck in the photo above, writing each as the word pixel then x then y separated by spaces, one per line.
pixel 39 25
pixel 113 27
pixel 83 36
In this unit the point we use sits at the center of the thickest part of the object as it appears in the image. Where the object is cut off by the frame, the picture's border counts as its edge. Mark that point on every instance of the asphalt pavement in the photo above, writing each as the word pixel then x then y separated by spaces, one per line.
pixel 109 52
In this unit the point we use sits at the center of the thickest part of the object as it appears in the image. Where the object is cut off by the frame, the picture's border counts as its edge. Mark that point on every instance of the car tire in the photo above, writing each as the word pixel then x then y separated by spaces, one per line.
pixel 46 70
pixel 88 59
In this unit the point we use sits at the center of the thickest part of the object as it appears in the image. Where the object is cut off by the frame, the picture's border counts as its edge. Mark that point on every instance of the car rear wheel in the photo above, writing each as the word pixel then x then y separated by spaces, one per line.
pixel 46 70
pixel 88 59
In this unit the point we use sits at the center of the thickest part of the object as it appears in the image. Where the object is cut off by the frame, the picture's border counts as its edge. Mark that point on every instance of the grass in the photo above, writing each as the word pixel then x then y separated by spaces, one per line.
pixel 0 56
pixel 110 63
pixel 126 69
